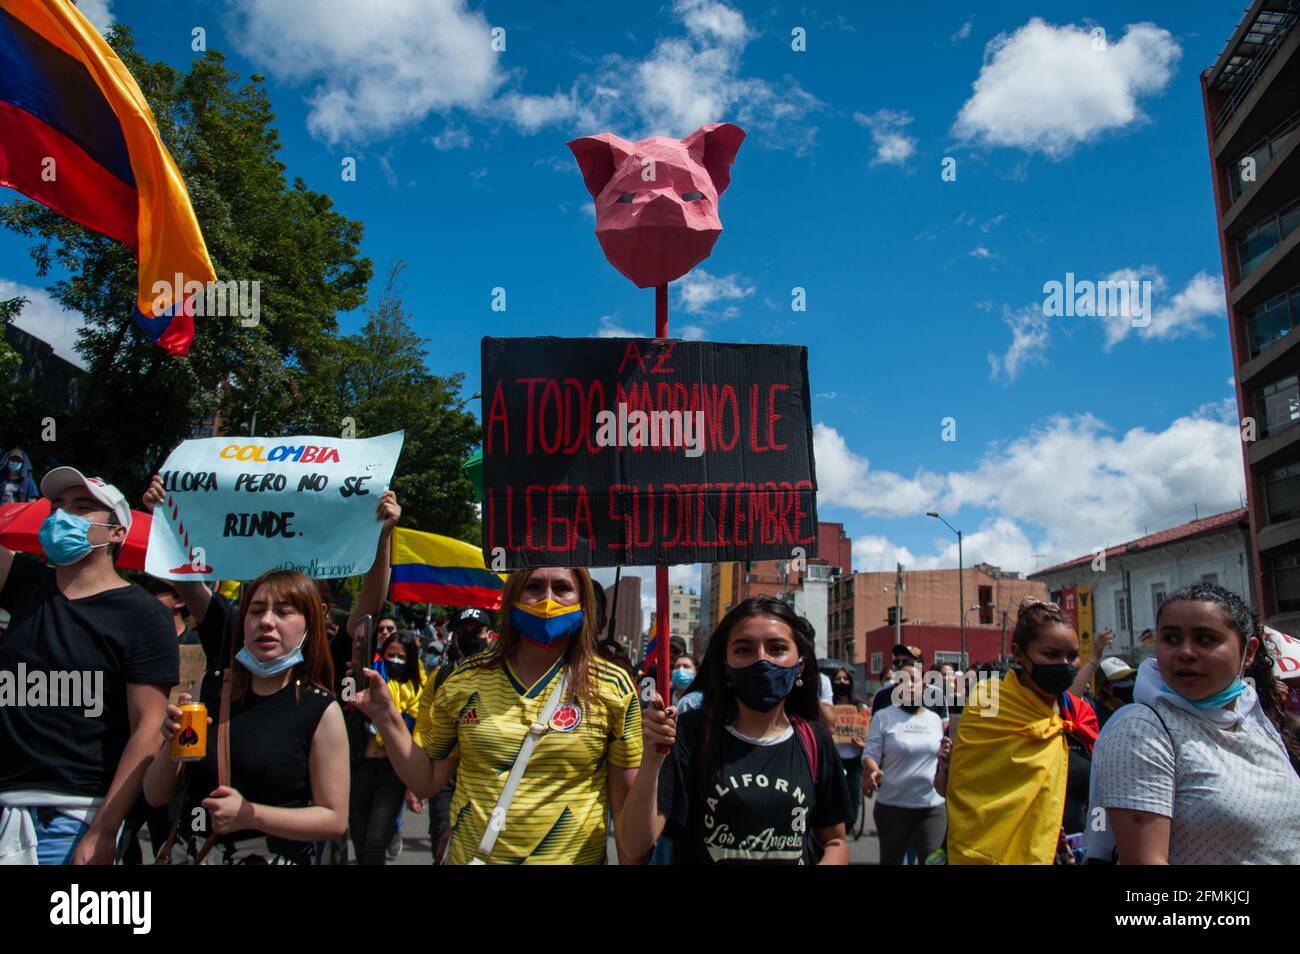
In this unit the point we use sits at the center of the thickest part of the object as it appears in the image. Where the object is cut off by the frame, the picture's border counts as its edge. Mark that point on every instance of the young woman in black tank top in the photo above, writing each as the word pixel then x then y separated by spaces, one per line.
pixel 288 749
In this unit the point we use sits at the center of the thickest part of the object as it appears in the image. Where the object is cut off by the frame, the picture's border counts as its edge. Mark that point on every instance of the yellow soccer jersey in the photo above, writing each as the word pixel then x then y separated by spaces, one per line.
pixel 558 814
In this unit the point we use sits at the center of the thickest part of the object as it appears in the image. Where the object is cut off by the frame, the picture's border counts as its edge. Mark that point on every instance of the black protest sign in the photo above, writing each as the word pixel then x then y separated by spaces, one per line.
pixel 605 451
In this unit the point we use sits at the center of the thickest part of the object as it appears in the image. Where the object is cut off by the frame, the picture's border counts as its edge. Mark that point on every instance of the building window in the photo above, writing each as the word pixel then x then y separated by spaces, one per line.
pixel 986 605
pixel 1157 597
pixel 1272 320
pixel 1282 493
pixel 1121 611
pixel 1262 154
pixel 877 660
pixel 1286 583
pixel 1279 405
pixel 953 659
pixel 1256 244
pixel 1210 578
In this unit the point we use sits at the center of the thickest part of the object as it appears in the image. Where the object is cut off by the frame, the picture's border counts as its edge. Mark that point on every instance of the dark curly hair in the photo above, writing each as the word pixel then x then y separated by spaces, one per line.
pixel 1032 615
pixel 1243 621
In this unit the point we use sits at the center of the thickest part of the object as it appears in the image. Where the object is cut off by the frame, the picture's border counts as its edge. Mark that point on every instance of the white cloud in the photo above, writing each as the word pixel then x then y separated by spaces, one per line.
pixel 979 251
pixel 610 328
pixel 876 554
pixel 893 145
pixel 846 480
pixel 686 81
pixel 1049 89
pixel 45 318
pixel 377 66
pixel 589 210
pixel 98 12
pixel 1029 334
pixel 1088 488
pixel 1201 298
pixel 697 291
pixel 963 32
pixel 1060 491
pixel 452 137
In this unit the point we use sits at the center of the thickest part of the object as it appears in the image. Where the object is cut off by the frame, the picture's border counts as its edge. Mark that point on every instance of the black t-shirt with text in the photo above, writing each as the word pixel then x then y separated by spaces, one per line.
pixel 99 644
pixel 762 810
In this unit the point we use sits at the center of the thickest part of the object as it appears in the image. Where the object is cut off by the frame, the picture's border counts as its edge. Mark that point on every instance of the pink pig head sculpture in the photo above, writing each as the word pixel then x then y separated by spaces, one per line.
pixel 657 199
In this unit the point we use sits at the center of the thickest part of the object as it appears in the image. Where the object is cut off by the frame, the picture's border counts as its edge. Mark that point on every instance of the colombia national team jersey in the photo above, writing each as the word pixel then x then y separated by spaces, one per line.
pixel 558 813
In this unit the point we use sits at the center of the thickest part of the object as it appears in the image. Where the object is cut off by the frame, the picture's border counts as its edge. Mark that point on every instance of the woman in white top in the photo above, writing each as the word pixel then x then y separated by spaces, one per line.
pixel 899 762
pixel 1197 772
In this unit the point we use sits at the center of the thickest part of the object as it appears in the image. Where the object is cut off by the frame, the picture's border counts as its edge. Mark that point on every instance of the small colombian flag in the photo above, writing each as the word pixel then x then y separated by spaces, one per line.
pixel 428 568
pixel 77 135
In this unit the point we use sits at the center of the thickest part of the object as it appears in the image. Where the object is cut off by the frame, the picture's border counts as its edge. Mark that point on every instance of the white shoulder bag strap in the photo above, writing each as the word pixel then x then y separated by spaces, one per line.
pixel 497 821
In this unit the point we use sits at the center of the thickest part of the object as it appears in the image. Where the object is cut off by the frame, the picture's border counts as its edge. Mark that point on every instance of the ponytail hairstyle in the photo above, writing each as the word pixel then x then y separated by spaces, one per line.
pixel 1243 621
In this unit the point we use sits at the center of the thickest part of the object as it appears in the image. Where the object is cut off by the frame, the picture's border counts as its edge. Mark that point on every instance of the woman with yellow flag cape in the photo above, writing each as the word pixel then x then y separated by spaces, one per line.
pixel 1006 776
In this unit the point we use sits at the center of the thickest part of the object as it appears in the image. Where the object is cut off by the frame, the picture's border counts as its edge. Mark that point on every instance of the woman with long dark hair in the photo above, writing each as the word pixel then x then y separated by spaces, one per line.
pixel 540 692
pixel 752 776
pixel 377 792
pixel 1202 769
pixel 288 748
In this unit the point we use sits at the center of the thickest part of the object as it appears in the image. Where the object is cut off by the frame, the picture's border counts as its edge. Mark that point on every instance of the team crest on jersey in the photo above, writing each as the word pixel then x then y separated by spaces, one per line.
pixel 566 718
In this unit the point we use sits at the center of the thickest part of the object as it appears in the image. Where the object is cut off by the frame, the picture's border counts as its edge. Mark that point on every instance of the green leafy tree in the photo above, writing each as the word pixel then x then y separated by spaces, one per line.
pixel 380 380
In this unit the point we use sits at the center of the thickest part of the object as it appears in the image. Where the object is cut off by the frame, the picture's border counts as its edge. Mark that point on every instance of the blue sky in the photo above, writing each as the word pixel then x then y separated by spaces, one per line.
pixel 924 296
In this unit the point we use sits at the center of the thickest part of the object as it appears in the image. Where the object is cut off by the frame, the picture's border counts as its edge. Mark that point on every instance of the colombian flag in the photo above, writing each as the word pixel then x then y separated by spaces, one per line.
pixel 77 135
pixel 428 568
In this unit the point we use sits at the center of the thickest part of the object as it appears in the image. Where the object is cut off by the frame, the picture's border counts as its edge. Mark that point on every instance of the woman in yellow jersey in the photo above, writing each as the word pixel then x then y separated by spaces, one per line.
pixel 377 792
pixel 1005 778
pixel 587 749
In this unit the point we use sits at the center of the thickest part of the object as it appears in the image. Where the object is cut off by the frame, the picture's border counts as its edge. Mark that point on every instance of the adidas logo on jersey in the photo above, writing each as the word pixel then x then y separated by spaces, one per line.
pixel 470 717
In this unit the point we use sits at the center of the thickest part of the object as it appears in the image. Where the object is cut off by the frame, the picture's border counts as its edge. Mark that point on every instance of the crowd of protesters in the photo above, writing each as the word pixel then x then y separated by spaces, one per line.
pixel 527 741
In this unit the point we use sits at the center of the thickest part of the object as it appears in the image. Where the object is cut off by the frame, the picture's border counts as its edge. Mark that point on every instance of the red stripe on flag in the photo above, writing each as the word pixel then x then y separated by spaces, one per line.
pixel 82 189
pixel 440 594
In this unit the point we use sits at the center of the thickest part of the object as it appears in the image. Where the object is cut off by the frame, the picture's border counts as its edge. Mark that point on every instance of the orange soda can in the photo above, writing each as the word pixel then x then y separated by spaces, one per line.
pixel 191 743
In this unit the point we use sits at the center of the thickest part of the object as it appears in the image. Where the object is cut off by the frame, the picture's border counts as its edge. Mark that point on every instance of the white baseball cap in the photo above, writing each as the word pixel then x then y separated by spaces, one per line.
pixel 1114 668
pixel 62 478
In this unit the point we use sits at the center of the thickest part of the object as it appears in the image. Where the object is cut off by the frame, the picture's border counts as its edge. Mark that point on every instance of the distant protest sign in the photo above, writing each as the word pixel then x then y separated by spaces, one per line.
pixel 605 451
pixel 236 507
pixel 851 722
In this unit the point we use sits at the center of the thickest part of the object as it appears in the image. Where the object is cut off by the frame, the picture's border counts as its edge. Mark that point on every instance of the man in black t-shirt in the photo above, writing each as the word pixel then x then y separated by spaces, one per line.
pixel 93 658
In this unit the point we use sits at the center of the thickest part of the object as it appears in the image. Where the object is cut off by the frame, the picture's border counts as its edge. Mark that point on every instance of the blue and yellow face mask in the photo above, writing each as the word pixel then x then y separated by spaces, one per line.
pixel 546 622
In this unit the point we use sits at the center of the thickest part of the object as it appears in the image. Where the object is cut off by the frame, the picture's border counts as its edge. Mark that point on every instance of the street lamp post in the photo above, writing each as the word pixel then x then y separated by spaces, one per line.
pixel 961 584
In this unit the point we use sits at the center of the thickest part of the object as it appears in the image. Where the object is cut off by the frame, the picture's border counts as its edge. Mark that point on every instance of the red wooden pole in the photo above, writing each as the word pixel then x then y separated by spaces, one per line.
pixel 663 657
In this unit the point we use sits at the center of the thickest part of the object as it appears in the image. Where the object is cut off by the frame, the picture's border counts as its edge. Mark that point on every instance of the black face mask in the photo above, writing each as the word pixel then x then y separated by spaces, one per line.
pixel 470 643
pixel 1123 697
pixel 1053 679
pixel 842 688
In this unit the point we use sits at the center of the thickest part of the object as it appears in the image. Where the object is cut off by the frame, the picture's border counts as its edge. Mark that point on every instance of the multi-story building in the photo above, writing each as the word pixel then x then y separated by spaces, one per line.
pixel 627 612
pixel 684 615
pixel 724 585
pixel 1251 98
pixel 861 602
pixel 1127 588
